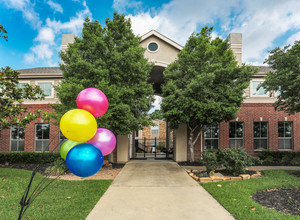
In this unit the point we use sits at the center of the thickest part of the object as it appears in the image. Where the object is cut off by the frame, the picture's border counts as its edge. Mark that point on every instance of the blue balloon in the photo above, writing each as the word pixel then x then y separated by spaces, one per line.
pixel 84 160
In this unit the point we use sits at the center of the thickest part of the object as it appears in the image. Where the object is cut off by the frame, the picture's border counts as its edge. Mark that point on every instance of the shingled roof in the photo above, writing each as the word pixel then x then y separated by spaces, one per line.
pixel 41 71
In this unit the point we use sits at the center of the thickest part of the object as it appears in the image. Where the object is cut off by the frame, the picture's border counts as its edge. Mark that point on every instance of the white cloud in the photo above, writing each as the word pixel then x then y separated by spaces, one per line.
pixel 122 5
pixel 156 104
pixel 55 6
pixel 295 37
pixel 47 44
pixel 27 9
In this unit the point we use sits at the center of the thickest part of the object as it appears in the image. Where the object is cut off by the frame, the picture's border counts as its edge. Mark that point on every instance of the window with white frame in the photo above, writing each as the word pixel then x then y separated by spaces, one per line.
pixel 211 137
pixel 260 131
pixel 47 88
pixel 236 134
pixel 254 89
pixel 17 136
pixel 154 129
pixel 42 133
pixel 285 135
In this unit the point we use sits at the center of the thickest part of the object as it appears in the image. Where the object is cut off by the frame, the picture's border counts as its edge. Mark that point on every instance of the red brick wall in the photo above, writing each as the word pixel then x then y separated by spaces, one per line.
pixel 30 132
pixel 254 112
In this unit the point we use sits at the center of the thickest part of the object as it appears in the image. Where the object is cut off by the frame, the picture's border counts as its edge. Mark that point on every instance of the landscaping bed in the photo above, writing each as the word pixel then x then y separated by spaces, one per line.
pixel 282 200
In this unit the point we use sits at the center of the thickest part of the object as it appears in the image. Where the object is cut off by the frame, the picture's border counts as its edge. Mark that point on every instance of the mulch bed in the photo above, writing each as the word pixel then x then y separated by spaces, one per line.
pixel 294 173
pixel 282 200
pixel 221 171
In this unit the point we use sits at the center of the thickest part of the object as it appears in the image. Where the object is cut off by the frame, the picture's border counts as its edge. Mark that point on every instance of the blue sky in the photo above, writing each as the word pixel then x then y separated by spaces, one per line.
pixel 35 27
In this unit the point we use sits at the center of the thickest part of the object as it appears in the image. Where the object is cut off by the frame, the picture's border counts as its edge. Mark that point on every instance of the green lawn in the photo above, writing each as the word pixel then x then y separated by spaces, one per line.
pixel 235 195
pixel 51 203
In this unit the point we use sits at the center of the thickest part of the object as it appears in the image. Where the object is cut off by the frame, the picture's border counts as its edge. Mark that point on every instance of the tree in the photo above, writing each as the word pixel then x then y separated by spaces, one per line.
pixel 204 85
pixel 11 99
pixel 284 79
pixel 110 59
pixel 3 32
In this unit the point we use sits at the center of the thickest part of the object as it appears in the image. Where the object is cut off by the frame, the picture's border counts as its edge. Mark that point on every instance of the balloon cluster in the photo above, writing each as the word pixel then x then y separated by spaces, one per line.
pixel 86 145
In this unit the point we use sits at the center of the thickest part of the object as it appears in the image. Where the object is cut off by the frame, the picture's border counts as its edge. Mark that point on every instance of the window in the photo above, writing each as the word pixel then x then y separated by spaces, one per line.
pixel 285 135
pixel 136 133
pixel 236 134
pixel 152 47
pixel 21 85
pixel 260 130
pixel 17 138
pixel 42 137
pixel 154 129
pixel 46 87
pixel 260 92
pixel 211 137
pixel 62 139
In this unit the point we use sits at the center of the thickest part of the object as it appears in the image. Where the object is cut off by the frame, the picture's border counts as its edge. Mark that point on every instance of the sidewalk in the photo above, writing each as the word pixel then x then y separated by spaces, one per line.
pixel 156 190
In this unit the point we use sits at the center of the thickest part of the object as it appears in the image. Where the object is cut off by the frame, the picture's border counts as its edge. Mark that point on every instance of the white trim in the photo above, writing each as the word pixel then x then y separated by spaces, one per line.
pixel 251 88
pixel 162 37
pixel 150 51
pixel 47 81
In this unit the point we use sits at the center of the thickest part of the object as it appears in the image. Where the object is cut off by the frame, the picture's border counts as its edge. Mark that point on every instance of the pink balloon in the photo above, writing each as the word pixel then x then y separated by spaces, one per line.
pixel 105 140
pixel 92 100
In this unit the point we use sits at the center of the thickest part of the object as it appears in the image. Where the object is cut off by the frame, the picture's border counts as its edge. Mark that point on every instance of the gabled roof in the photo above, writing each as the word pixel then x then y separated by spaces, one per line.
pixel 41 70
pixel 162 37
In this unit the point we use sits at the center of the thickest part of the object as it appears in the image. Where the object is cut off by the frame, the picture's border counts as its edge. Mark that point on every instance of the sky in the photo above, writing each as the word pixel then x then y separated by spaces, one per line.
pixel 35 27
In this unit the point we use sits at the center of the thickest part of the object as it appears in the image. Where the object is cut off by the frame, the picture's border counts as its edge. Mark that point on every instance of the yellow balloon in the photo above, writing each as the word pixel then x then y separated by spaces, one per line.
pixel 78 125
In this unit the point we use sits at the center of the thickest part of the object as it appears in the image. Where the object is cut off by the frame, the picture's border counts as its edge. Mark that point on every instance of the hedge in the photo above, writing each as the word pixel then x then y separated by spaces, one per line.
pixel 28 157
pixel 280 157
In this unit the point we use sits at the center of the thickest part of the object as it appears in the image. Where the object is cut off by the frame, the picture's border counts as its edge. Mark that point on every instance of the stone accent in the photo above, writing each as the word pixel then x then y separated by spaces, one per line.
pixel 205 179
pixel 234 178
pixel 245 176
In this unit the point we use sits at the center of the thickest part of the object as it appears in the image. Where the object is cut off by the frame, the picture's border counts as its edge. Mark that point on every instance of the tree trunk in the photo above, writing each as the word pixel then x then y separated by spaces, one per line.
pixel 192 142
pixel 191 146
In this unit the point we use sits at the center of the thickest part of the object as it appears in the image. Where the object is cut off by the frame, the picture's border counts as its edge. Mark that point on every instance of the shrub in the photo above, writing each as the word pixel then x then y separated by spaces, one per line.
pixel 59 167
pixel 210 160
pixel 28 157
pixel 236 160
pixel 279 157
pixel 269 159
pixel 295 161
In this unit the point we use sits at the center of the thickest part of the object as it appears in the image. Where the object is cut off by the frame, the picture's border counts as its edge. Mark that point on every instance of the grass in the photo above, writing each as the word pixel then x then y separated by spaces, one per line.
pixel 235 196
pixel 61 199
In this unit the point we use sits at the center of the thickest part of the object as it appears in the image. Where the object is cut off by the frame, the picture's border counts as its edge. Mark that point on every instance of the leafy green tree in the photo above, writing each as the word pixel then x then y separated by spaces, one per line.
pixel 204 85
pixel 3 32
pixel 285 77
pixel 11 99
pixel 110 59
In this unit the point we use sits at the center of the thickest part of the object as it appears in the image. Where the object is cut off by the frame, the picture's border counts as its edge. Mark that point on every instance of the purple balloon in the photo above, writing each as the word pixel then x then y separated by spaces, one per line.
pixel 105 140
pixel 92 100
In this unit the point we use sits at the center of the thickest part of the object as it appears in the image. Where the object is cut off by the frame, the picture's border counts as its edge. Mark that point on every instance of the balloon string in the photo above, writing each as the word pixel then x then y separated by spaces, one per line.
pixel 25 200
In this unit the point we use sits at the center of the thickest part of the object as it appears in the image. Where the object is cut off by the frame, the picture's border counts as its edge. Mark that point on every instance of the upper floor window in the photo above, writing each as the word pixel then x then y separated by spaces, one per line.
pixel 42 133
pixel 46 87
pixel 260 130
pixel 153 47
pixel 236 134
pixel 211 137
pixel 254 89
pixel 17 138
pixel 154 129
pixel 285 135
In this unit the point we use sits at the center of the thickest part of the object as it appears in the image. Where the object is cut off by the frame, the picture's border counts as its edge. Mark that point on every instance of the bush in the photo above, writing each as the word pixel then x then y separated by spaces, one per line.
pixel 236 160
pixel 279 157
pixel 210 160
pixel 295 161
pixel 28 157
pixel 59 167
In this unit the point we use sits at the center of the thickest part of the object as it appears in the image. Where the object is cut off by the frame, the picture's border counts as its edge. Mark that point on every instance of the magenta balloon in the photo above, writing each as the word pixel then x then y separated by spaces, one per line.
pixel 105 140
pixel 92 100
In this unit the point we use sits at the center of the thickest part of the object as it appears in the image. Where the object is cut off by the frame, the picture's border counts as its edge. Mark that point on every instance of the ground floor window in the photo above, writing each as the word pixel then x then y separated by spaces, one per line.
pixel 211 137
pixel 260 130
pixel 285 135
pixel 42 132
pixel 236 134
pixel 17 136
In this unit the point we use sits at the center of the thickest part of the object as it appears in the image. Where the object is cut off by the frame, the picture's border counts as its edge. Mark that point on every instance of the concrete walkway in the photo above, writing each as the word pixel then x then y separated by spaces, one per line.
pixel 154 190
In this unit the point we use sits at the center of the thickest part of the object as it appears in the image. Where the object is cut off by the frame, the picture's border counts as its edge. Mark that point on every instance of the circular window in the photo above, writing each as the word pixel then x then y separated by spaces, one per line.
pixel 152 47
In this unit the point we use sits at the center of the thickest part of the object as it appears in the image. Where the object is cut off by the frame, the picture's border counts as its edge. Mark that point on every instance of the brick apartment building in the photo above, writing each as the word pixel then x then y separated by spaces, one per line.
pixel 256 127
